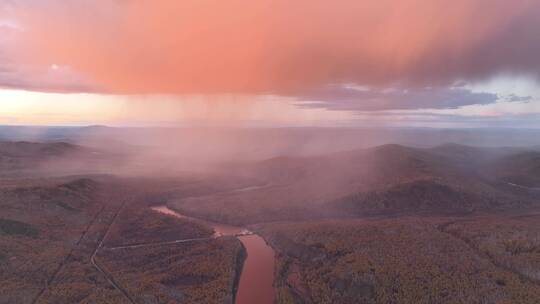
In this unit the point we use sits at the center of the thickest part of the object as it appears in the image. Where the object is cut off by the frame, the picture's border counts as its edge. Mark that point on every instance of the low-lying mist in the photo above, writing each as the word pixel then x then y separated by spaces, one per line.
pixel 173 151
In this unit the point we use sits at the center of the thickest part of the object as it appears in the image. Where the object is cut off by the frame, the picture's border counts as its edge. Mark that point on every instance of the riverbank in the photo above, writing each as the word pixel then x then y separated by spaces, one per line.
pixel 257 271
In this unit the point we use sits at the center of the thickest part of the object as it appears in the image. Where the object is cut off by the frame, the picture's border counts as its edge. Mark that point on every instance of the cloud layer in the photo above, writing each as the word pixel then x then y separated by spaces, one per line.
pixel 350 98
pixel 277 46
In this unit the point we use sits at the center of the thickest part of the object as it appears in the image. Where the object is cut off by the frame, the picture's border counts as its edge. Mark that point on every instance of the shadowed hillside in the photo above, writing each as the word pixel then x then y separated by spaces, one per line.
pixel 52 158
pixel 385 224
pixel 383 180
pixel 520 168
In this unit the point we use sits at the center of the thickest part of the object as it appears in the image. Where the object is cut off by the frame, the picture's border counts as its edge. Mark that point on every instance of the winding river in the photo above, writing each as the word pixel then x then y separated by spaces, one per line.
pixel 258 271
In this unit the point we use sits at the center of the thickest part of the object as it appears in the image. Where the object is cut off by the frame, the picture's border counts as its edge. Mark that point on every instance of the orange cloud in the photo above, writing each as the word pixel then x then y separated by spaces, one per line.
pixel 278 46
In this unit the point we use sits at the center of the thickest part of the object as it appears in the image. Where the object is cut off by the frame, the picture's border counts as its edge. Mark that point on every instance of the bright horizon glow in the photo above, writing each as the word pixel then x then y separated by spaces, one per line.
pixel 37 108
pixel 20 107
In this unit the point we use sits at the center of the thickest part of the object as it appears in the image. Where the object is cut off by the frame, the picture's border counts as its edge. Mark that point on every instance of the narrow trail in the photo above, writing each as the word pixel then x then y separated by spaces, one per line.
pixel 90 225
pixel 524 187
pixel 108 276
pixel 66 258
pixel 154 244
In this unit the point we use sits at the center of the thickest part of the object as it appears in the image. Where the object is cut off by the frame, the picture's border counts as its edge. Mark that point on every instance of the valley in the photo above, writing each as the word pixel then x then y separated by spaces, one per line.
pixel 270 152
pixel 388 224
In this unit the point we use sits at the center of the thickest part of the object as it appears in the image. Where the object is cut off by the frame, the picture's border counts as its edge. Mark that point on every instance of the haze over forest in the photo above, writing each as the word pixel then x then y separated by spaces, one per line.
pixel 270 151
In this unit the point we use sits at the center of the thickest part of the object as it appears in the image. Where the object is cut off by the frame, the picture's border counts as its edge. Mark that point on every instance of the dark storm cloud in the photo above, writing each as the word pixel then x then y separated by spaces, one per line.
pixel 515 98
pixel 351 98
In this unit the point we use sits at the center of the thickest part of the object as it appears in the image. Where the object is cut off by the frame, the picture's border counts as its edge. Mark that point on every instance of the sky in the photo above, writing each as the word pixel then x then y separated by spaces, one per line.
pixel 429 63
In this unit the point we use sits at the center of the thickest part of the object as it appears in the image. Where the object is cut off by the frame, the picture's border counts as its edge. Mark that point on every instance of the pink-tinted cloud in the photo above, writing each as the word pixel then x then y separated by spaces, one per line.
pixel 277 46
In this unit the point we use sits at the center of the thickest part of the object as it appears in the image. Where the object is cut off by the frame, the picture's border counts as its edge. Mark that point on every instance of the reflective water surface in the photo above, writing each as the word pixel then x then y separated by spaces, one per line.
pixel 257 275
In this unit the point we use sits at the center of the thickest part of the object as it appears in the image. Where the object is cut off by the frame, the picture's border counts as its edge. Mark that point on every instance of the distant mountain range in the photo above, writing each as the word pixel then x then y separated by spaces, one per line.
pixel 233 144
pixel 22 158
pixel 307 179
pixel 387 179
